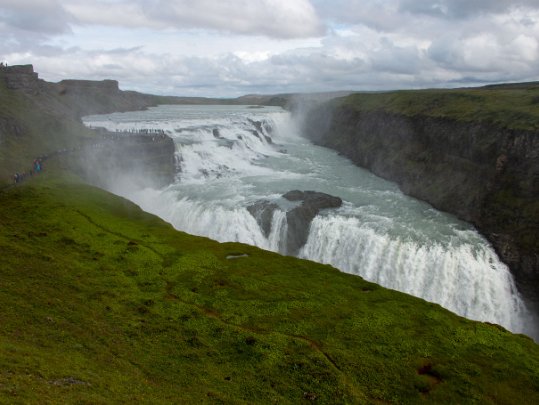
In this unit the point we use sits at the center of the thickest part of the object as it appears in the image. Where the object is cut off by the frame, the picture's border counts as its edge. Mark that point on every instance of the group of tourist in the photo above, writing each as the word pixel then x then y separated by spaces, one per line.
pixel 144 131
pixel 37 167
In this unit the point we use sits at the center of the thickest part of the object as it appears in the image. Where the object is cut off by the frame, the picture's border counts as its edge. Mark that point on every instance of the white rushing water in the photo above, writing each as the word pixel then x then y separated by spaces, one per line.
pixel 233 156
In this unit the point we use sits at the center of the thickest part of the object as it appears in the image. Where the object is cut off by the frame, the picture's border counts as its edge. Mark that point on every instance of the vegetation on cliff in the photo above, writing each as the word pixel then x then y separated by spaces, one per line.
pixel 507 106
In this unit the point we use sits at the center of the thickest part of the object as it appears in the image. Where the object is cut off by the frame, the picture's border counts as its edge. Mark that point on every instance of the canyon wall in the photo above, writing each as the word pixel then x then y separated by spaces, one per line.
pixel 481 172
pixel 38 118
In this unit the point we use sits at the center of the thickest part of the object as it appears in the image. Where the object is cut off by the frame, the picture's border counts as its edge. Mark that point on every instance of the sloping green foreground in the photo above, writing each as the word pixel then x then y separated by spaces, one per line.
pixel 101 302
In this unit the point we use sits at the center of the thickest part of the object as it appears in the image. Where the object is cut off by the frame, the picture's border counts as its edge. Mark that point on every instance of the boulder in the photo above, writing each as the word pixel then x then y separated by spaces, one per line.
pixel 299 218
pixel 262 211
pixel 314 199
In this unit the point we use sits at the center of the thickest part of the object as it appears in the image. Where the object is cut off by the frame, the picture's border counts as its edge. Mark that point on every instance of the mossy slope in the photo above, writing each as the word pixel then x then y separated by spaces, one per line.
pixel 104 303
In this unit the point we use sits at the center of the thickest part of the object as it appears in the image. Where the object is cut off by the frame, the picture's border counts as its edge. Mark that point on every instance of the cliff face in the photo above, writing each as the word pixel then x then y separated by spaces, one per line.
pixel 20 77
pixel 481 172
pixel 38 118
pixel 79 97
pixel 88 97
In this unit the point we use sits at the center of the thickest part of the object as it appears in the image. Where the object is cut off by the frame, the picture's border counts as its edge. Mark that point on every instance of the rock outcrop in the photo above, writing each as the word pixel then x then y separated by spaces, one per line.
pixel 483 173
pixel 20 77
pixel 299 217
pixel 262 211
pixel 79 97
pixel 88 97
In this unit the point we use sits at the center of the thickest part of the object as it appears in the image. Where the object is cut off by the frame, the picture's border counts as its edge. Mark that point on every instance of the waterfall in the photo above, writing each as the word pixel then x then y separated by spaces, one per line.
pixel 231 157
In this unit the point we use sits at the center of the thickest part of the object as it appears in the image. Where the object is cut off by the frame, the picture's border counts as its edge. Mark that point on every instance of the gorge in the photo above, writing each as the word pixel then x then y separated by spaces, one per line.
pixel 238 165
pixel 471 152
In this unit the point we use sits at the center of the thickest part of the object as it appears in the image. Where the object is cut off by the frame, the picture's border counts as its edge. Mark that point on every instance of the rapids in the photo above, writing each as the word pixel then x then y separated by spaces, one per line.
pixel 232 156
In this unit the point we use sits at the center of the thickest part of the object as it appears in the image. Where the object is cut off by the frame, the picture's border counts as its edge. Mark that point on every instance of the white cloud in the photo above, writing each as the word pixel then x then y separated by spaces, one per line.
pixel 499 46
pixel 273 18
pixel 228 48
pixel 464 8
pixel 45 16
pixel 127 14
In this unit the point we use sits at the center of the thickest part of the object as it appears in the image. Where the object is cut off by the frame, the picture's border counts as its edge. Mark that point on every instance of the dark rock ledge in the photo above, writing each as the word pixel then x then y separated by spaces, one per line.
pixel 298 218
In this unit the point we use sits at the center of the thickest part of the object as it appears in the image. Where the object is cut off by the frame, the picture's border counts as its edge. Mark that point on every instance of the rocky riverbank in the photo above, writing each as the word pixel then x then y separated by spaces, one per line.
pixel 483 171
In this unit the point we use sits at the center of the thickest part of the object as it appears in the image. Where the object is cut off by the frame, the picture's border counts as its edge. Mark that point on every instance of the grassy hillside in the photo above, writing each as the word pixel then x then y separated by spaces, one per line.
pixel 33 125
pixel 508 106
pixel 104 303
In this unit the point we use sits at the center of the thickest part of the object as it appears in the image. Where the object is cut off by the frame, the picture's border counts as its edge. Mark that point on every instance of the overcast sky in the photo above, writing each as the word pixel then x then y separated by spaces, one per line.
pixel 234 47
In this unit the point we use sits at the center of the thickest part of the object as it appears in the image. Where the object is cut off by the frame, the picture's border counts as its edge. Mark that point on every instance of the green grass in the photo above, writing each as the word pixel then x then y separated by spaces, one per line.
pixel 514 107
pixel 103 303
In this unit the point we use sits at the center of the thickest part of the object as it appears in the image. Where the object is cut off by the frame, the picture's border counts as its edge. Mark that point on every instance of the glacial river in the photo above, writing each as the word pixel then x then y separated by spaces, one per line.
pixel 230 157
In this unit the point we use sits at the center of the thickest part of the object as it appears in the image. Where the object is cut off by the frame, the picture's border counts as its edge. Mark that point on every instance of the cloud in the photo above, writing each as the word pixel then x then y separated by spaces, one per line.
pixel 227 48
pixel 43 16
pixel 463 8
pixel 273 18
pixel 499 46
pixel 377 14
